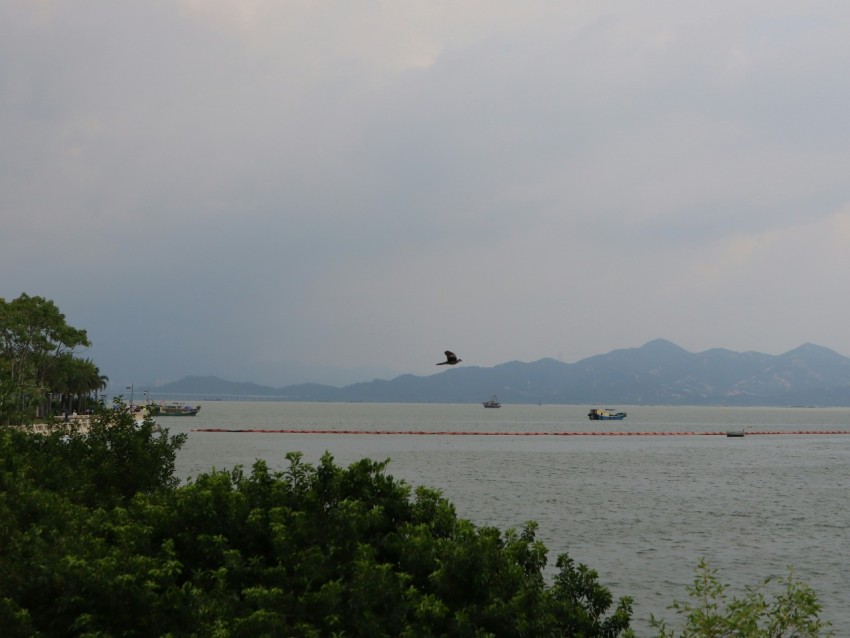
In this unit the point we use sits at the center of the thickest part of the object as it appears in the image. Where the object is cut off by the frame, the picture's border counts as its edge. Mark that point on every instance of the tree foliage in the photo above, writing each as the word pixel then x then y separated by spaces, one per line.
pixel 792 611
pixel 37 359
pixel 98 539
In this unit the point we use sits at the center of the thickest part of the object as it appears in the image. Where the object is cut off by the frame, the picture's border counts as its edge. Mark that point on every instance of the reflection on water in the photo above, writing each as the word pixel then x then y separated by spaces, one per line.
pixel 640 510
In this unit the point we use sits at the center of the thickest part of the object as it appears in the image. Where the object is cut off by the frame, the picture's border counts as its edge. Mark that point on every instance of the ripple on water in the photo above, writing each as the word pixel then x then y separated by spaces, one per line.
pixel 641 511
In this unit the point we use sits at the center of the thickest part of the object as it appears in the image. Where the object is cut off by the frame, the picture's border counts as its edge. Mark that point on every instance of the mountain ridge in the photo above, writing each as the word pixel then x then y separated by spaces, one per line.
pixel 659 372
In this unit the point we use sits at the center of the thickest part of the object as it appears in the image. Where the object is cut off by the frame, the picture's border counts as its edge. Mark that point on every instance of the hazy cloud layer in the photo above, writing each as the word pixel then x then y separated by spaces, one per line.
pixel 299 191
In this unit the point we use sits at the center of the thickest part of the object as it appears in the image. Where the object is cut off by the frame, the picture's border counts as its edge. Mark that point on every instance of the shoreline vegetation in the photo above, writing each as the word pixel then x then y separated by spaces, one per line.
pixel 40 374
pixel 99 537
pixel 102 539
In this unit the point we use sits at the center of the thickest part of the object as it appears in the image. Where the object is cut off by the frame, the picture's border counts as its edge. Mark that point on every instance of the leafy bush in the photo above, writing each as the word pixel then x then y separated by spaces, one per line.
pixel 98 539
pixel 791 612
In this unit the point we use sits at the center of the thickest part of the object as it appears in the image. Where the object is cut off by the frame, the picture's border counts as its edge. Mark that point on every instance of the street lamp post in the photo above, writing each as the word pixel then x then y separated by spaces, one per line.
pixel 130 388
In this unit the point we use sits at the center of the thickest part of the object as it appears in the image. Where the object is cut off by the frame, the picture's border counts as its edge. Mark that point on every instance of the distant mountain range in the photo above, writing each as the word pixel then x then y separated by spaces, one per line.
pixel 659 373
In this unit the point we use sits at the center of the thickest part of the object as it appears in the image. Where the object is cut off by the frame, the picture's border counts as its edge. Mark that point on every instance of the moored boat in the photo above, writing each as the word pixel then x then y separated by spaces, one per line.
pixel 174 408
pixel 492 403
pixel 605 414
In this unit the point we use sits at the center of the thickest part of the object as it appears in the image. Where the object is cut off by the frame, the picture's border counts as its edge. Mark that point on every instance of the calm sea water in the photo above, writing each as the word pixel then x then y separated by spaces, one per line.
pixel 640 510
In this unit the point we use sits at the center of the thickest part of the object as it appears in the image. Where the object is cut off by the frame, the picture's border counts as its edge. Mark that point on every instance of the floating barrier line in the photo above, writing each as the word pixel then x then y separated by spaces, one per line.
pixel 449 433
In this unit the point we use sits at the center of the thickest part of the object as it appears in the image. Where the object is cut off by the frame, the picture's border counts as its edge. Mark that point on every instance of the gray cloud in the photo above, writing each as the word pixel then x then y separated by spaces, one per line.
pixel 278 193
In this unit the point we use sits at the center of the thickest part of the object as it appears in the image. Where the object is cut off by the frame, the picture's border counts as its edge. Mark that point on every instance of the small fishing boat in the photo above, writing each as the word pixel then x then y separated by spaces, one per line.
pixel 173 409
pixel 605 414
pixel 492 403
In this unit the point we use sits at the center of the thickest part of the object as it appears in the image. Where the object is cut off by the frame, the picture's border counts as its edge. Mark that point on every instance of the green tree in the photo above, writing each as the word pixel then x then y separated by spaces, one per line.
pixel 106 466
pixel 98 539
pixel 763 612
pixel 73 379
pixel 66 530
pixel 33 333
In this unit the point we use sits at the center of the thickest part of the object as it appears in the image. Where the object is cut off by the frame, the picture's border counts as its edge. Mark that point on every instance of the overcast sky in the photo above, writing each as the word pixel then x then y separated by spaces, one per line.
pixel 289 191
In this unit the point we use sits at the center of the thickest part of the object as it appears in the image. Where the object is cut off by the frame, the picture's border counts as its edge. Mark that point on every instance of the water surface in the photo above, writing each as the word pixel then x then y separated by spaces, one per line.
pixel 640 510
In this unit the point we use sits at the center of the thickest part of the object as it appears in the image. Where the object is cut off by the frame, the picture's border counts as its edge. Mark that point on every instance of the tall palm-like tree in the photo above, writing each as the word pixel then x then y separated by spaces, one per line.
pixel 103 382
pixel 56 377
pixel 74 380
pixel 89 381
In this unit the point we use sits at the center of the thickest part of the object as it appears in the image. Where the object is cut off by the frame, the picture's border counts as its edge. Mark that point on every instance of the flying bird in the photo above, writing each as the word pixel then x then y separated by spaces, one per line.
pixel 451 359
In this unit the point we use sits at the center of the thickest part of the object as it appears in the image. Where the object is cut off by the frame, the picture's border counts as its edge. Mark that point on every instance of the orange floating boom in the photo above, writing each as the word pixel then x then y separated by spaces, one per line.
pixel 449 433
